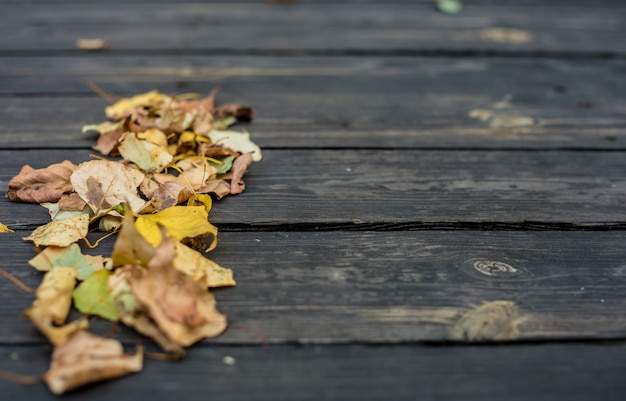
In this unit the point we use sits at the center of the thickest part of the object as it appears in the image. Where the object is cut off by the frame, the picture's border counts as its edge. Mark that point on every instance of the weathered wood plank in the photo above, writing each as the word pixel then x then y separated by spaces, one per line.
pixel 328 26
pixel 530 372
pixel 322 188
pixel 336 102
pixel 388 287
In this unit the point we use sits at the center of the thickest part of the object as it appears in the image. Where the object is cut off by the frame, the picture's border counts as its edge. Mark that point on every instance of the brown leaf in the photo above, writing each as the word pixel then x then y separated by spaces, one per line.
pixel 144 325
pixel 240 165
pixel 87 358
pixel 104 184
pixel 214 150
pixel 41 185
pixel 182 308
pixel 71 202
pixel 130 247
pixel 242 113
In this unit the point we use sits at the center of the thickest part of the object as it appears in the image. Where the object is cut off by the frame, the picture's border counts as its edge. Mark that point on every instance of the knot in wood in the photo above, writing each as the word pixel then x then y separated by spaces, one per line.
pixel 491 268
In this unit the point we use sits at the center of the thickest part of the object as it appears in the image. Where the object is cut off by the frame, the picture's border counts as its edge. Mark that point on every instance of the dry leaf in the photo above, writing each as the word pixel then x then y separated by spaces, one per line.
pixel 87 358
pixel 61 232
pixel 147 155
pixel 126 107
pixel 105 184
pixel 54 298
pixel 5 229
pixel 182 308
pixel 201 269
pixel 57 214
pixel 240 166
pixel 110 134
pixel 180 222
pixel 42 185
pixel 238 141
pixel 70 256
pixel 130 247
pixel 241 113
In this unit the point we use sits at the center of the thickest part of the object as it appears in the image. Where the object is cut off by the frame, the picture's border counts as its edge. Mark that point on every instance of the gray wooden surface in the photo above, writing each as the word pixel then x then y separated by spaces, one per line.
pixel 384 211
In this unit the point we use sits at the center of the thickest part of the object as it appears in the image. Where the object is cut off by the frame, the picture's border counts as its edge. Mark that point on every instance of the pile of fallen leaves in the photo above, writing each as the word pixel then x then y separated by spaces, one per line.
pixel 167 157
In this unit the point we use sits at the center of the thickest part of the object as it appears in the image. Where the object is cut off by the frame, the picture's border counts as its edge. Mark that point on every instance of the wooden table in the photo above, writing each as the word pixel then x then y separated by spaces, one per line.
pixel 417 165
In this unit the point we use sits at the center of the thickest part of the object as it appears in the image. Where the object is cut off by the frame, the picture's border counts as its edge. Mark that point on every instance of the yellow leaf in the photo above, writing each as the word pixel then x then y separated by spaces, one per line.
pixel 123 107
pixel 201 269
pixel 54 298
pixel 61 232
pixel 5 229
pixel 180 222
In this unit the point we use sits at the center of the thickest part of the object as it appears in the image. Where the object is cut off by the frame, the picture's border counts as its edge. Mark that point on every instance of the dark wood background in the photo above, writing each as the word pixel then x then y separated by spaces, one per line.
pixel 356 240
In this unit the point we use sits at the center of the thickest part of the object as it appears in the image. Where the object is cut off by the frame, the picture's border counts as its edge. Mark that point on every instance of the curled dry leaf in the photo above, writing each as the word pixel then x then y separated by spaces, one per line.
pixel 87 358
pixel 182 308
pixel 105 184
pixel 41 185
pixel 50 309
pixel 240 166
pixel 61 232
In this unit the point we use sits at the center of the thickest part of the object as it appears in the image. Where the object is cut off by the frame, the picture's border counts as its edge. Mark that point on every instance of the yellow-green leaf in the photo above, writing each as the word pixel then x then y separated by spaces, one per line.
pixel 93 296
pixel 70 256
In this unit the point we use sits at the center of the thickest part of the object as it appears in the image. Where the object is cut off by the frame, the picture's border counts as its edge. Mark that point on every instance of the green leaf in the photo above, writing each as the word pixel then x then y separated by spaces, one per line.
pixel 93 296
pixel 449 6
pixel 227 164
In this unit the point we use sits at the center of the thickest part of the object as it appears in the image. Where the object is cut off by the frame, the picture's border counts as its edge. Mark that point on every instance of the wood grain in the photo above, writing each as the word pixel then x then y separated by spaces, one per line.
pixel 393 287
pixel 325 26
pixel 546 372
pixel 338 102
pixel 406 188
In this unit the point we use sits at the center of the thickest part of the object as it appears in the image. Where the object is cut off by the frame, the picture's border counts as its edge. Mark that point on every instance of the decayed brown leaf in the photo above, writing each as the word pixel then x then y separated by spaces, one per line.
pixel 42 185
pixel 50 309
pixel 87 358
pixel 182 308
